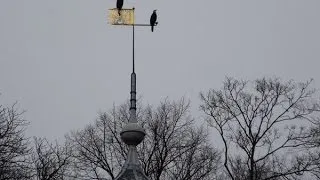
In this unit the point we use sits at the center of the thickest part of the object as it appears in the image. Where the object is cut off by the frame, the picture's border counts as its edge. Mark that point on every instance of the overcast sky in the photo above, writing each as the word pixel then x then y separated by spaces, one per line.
pixel 63 63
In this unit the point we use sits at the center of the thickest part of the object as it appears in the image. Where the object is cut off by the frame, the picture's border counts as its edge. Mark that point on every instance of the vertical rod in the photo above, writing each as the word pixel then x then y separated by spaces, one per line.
pixel 133 48
pixel 133 92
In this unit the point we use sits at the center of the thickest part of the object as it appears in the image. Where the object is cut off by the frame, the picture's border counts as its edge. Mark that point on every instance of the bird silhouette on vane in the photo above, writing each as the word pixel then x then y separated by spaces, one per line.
pixel 119 6
pixel 153 19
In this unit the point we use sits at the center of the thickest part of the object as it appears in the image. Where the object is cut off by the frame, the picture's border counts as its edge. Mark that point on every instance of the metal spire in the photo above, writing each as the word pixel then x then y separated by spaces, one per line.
pixel 133 92
pixel 132 134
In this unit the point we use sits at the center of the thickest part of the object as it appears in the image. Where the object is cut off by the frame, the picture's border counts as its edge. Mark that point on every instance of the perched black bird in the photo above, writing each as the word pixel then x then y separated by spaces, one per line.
pixel 153 19
pixel 119 6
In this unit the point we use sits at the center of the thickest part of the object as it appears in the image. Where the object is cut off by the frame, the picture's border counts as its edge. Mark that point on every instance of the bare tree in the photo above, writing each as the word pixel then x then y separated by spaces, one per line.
pixel 258 124
pixel 172 140
pixel 14 150
pixel 200 161
pixel 311 142
pixel 51 161
pixel 174 147
pixel 99 151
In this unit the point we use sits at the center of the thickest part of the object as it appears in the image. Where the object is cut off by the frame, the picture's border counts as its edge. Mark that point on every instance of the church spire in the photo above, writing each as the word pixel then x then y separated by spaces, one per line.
pixel 132 134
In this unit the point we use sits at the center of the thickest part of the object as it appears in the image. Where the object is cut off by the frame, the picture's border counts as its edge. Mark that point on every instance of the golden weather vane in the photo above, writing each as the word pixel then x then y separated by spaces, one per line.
pixel 125 17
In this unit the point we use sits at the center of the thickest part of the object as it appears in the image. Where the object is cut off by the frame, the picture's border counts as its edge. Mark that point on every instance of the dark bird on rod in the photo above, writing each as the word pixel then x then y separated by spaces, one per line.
pixel 153 19
pixel 119 6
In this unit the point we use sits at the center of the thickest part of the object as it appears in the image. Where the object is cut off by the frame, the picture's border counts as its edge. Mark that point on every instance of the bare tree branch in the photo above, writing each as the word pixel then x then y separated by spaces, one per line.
pixel 255 120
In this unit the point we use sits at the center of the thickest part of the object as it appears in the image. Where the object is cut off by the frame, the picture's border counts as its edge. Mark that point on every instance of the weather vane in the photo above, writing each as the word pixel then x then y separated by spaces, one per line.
pixel 125 17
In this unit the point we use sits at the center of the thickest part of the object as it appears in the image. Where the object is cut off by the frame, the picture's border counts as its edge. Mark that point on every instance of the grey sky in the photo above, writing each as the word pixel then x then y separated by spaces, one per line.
pixel 63 63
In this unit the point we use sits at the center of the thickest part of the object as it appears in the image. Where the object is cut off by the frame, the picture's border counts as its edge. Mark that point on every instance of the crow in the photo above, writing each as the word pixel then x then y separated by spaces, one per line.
pixel 153 19
pixel 119 6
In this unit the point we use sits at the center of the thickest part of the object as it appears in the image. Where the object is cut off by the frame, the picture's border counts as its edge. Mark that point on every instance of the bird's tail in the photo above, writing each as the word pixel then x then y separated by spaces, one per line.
pixel 119 12
pixel 151 28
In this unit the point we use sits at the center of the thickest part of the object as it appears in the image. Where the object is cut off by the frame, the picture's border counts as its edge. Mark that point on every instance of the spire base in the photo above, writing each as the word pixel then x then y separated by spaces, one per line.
pixel 132 134
pixel 131 169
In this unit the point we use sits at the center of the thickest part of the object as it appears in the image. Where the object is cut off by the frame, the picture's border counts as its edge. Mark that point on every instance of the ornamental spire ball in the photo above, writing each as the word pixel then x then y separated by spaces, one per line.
pixel 119 6
pixel 153 19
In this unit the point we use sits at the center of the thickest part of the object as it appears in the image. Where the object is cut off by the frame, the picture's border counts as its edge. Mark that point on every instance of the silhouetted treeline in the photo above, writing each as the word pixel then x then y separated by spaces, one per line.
pixel 269 129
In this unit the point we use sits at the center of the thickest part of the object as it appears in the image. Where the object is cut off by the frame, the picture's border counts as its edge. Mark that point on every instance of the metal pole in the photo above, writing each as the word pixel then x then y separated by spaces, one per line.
pixel 133 48
pixel 133 92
